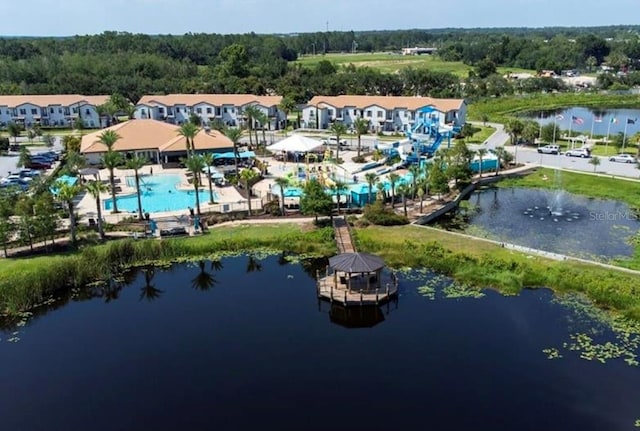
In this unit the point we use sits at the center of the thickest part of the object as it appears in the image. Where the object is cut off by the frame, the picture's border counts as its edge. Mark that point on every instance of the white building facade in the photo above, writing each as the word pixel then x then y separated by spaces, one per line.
pixel 226 108
pixel 50 110
pixel 383 113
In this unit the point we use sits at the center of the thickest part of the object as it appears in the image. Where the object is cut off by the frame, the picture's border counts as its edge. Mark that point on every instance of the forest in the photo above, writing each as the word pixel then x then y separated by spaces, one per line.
pixel 137 64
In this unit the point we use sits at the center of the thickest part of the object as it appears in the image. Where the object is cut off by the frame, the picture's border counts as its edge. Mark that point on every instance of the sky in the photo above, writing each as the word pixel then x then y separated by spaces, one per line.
pixel 72 17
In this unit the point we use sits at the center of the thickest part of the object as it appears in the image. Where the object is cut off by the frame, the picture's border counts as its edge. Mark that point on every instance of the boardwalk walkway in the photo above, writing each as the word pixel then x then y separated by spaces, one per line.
pixel 343 235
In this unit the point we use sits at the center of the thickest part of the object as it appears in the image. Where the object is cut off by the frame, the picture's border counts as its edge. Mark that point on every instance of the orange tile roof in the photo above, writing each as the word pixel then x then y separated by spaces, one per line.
pixel 387 102
pixel 211 99
pixel 153 135
pixel 50 99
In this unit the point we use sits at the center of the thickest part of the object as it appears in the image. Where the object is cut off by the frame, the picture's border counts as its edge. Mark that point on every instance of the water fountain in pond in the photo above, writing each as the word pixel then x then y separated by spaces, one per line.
pixel 555 209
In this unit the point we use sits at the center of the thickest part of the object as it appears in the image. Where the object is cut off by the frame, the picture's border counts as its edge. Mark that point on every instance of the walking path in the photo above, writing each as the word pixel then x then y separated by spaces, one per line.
pixel 343 236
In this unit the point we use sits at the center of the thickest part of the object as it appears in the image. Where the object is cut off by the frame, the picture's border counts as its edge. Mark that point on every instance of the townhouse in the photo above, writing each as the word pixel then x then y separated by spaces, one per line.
pixel 384 113
pixel 227 108
pixel 50 110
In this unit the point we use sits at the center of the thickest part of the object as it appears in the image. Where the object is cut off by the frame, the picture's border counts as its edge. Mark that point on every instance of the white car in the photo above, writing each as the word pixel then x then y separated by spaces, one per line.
pixel 549 149
pixel 578 152
pixel 623 158
pixel 332 141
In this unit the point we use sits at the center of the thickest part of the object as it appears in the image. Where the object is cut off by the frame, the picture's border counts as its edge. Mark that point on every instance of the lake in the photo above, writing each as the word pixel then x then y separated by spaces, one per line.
pixel 584 227
pixel 245 344
pixel 612 121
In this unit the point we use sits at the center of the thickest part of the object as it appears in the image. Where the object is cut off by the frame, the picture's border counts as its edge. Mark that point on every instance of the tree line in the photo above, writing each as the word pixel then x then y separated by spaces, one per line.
pixel 137 64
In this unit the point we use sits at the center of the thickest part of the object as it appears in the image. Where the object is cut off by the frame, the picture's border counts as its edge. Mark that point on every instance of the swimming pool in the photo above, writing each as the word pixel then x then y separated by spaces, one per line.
pixel 159 193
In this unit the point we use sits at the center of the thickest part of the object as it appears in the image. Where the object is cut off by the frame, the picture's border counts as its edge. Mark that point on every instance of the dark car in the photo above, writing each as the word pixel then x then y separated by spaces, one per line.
pixel 39 164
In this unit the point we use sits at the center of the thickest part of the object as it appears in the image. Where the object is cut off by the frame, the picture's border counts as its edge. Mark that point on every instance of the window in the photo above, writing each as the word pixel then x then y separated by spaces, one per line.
pixel 51 110
pixel 380 113
pixel 199 110
pixel 59 110
pixel 66 111
pixel 34 111
pixel 209 111
pixel 225 110
pixel 330 112
pixel 23 111
pixel 87 111
pixel 74 110
pixel 369 114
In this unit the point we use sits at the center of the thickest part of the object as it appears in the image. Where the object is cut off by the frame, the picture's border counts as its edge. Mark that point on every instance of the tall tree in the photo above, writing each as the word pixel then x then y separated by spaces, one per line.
pixel 314 200
pixel 371 178
pixel 195 165
pixel 282 182
pixel 14 130
pixel 338 187
pixel 189 131
pixel 24 158
pixel 514 128
pixel 393 181
pixel 108 138
pixel 208 160
pixel 251 113
pixel 136 163
pixel 95 188
pixel 287 105
pixel 481 152
pixel 234 136
pixel 338 130
pixel 247 176
pixel 66 194
pixel 111 161
pixel 361 127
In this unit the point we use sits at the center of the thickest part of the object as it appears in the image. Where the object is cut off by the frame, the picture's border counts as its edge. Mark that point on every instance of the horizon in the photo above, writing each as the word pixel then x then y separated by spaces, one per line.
pixel 276 17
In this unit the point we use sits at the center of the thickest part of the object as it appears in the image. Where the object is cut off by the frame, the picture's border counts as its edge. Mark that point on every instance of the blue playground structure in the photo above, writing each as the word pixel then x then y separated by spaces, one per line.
pixel 426 136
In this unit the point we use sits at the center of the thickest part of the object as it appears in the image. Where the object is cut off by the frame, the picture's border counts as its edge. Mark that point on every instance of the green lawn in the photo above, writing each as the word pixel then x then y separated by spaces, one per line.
pixel 393 62
pixel 481 135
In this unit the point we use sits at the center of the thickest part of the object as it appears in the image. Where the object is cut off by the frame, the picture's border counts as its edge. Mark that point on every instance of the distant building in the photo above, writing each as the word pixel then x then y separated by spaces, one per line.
pixel 418 51
pixel 227 108
pixel 384 113
pixel 157 141
pixel 50 110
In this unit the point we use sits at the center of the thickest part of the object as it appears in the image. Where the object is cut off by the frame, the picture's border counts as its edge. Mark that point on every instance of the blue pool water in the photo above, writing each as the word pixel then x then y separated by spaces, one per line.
pixel 159 193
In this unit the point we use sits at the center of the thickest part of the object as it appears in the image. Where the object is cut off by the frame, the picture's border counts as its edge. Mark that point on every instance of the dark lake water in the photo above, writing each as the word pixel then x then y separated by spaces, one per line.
pixel 601 121
pixel 227 349
pixel 583 227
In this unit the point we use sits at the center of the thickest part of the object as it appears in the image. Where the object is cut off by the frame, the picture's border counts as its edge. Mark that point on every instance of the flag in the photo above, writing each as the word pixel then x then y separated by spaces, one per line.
pixel 614 120
pixel 559 117
pixel 597 119
pixel 577 120
pixel 630 121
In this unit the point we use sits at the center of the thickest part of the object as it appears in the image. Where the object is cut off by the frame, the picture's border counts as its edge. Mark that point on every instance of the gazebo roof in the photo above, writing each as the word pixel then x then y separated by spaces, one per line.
pixel 356 262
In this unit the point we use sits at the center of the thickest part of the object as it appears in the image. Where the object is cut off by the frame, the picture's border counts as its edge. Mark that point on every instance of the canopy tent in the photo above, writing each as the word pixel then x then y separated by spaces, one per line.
pixel 356 262
pixel 295 143
pixel 230 155
pixel 89 171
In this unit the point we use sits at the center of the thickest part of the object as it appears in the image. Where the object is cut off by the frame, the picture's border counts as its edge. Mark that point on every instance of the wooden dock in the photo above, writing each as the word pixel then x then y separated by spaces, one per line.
pixel 343 235
pixel 358 293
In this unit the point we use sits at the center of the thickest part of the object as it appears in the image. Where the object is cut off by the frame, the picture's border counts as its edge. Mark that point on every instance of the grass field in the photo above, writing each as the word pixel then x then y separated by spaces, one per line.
pixel 393 62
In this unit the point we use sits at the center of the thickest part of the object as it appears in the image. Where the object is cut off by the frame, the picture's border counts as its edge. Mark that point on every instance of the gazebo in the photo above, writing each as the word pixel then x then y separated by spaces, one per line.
pixel 357 278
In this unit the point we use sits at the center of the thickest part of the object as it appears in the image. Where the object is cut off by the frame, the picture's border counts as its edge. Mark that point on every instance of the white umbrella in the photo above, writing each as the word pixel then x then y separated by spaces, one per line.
pixel 295 143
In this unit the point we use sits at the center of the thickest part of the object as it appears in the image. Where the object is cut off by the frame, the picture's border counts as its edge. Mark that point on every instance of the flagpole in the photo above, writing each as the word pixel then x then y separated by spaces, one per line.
pixel 593 123
pixel 555 121
pixel 570 127
pixel 606 143
pixel 624 138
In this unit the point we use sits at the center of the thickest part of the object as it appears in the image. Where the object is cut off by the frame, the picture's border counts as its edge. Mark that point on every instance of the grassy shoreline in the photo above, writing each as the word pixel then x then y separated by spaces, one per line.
pixel 500 109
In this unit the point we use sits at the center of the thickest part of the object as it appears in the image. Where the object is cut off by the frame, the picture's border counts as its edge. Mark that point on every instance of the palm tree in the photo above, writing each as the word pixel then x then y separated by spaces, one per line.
pixel 195 165
pixel 339 130
pixel 248 175
pixel 371 179
pixel 282 182
pixel 500 155
pixel 415 173
pixel 95 188
pixel 251 113
pixel 208 160
pixel 108 138
pixel 595 161
pixel 189 130
pixel 66 193
pixel 404 190
pixel 361 127
pixel 338 186
pixel 136 163
pixel 24 158
pixel 287 105
pixel 234 136
pixel 481 153
pixel 262 118
pixel 71 144
pixel 14 130
pixel 112 160
pixel 381 191
pixel 393 180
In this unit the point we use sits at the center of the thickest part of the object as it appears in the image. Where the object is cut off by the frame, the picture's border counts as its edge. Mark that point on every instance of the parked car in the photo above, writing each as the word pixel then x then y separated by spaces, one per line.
pixel 549 149
pixel 578 152
pixel 623 158
pixel 39 164
pixel 331 141
pixel 28 173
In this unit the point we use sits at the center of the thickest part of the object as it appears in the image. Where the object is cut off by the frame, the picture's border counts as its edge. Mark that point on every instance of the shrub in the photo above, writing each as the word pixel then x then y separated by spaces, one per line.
pixel 378 214
pixel 359 159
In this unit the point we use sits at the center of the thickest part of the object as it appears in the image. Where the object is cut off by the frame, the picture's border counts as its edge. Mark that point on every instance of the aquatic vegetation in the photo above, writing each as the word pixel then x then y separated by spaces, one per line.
pixel 620 336
pixel 461 290
pixel 446 286
pixel 552 353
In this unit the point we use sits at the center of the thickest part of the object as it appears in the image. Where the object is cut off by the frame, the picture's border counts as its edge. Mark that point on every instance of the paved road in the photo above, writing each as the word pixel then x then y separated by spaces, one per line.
pixel 499 138
pixel 8 164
